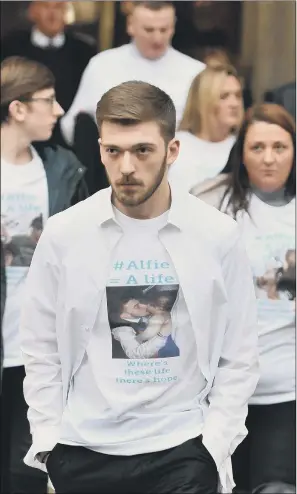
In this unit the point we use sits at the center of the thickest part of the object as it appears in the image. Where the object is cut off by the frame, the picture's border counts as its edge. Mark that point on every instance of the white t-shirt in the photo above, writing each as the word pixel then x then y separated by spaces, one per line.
pixel 269 235
pixel 137 388
pixel 198 160
pixel 24 211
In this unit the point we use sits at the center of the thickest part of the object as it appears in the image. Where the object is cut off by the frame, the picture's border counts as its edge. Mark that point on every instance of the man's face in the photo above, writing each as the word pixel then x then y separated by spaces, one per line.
pixel 134 308
pixel 136 160
pixel 48 17
pixel 152 30
pixel 37 116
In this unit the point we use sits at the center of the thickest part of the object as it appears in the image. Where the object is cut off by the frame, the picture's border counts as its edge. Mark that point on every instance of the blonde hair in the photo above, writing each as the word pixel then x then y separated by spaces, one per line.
pixel 203 97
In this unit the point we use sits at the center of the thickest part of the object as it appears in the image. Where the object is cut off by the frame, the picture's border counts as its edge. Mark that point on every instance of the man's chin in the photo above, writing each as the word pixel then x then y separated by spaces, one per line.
pixel 129 200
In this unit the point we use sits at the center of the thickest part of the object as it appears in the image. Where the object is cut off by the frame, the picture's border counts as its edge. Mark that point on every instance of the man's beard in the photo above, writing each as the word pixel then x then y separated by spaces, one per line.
pixel 126 200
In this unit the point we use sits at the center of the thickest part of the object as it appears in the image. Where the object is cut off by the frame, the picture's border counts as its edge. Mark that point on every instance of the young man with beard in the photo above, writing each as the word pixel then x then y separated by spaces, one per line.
pixel 107 424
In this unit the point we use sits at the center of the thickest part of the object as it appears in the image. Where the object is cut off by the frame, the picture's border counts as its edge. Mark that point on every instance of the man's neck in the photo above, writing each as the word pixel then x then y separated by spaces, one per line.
pixel 15 148
pixel 156 205
pixel 138 52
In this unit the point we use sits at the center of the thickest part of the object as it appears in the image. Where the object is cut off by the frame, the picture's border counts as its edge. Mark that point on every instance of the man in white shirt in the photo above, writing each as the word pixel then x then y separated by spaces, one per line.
pixel 167 422
pixel 149 57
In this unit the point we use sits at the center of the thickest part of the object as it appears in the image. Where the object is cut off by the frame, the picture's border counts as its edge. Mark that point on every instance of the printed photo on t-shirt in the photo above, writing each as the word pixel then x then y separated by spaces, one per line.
pixel 278 281
pixel 18 246
pixel 142 322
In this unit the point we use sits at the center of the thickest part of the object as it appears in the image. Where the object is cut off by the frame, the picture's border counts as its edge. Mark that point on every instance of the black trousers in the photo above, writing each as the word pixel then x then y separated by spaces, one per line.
pixel 188 468
pixel 16 477
pixel 268 453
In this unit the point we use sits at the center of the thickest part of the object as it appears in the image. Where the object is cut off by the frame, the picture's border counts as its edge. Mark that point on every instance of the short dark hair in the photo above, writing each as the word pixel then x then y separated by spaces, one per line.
pixel 37 223
pixel 20 79
pixel 135 102
pixel 154 5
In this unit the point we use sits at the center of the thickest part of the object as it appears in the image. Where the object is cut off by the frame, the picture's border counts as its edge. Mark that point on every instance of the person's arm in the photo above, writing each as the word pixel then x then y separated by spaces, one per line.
pixel 132 348
pixel 43 381
pixel 80 191
pixel 238 372
pixel 85 100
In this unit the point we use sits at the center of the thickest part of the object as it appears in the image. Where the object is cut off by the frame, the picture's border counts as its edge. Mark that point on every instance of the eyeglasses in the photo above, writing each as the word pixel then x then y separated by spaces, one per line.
pixel 51 100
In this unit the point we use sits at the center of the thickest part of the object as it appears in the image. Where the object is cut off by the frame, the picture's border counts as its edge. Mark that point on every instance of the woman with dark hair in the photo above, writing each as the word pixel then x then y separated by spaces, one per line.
pixel 258 189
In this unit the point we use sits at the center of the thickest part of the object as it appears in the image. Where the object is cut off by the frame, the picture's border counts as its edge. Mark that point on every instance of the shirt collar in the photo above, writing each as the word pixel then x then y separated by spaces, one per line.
pixel 42 41
pixel 177 214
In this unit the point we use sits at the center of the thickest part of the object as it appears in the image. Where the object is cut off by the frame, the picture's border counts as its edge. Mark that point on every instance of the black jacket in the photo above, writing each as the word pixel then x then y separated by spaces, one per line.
pixel 65 177
pixel 66 187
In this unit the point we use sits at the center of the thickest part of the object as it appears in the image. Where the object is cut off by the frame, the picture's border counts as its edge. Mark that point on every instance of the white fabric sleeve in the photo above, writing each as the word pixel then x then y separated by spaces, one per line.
pixel 43 381
pixel 86 98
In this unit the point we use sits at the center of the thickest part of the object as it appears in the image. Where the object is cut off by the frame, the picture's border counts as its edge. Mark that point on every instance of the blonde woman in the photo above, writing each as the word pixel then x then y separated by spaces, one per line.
pixel 207 132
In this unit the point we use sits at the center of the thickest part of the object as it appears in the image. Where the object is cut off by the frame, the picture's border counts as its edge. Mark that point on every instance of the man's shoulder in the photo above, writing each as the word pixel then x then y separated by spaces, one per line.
pixel 77 219
pixel 211 225
pixel 212 214
pixel 15 43
pixel 81 39
pixel 107 56
pixel 16 36
pixel 188 63
pixel 57 155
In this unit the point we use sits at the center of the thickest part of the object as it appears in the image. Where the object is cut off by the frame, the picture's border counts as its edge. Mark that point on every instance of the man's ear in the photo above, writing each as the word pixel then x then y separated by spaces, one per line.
pixel 129 25
pixel 17 110
pixel 125 315
pixel 31 12
pixel 172 151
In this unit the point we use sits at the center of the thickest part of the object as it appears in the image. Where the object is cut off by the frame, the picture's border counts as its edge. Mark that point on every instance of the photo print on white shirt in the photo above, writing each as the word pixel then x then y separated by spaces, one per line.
pixel 20 237
pixel 141 321
pixel 274 266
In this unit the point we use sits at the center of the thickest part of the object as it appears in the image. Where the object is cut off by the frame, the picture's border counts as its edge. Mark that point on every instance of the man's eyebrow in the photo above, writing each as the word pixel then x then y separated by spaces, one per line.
pixel 135 146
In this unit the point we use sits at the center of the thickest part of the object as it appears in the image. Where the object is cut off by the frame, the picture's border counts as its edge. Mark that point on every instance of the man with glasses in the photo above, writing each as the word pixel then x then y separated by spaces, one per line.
pixel 36 182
